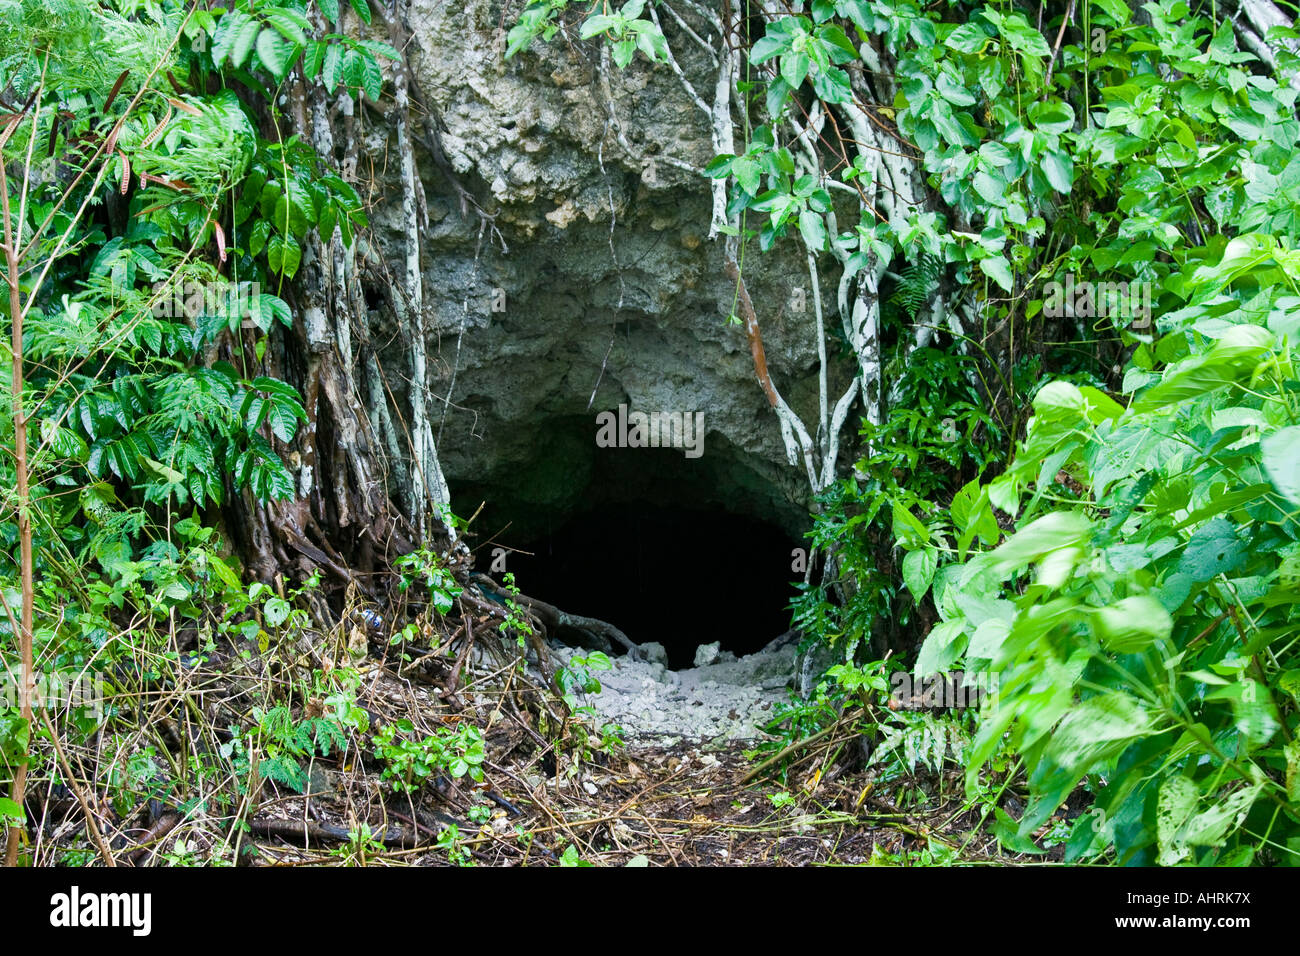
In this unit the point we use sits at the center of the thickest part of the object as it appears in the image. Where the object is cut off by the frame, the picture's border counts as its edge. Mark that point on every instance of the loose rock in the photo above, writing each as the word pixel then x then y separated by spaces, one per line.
pixel 718 701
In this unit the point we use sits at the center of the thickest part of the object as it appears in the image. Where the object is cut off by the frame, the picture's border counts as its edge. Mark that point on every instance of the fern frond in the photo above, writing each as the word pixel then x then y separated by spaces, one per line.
pixel 918 282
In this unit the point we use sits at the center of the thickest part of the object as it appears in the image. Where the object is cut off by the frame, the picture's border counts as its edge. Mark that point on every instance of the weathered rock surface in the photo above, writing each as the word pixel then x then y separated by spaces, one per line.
pixel 590 271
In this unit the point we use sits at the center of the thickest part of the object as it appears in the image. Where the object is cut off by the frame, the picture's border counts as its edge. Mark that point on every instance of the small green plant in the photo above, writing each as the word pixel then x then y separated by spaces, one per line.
pixel 185 853
pixel 516 621
pixel 842 686
pixel 570 857
pixel 934 853
pixel 862 682
pixel 577 678
pixel 611 737
pixel 585 733
pixel 338 692
pixel 782 799
pixel 76 857
pixel 262 616
pixel 281 743
pixel 408 763
pixel 449 840
pixel 362 846
pixel 425 567
pixel 137 775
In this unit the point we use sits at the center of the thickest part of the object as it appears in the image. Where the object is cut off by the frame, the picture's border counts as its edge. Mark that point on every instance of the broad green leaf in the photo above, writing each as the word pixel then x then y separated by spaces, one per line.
pixel 1052 532
pixel 288 27
pixel 908 529
pixel 1058 167
pixel 1054 117
pixel 11 813
pixel 813 230
pixel 1095 731
pixel 275 53
pixel 1252 707
pixel 1209 827
pixel 1213 549
pixel 918 570
pixel 1280 452
pixel 1132 624
pixel 967 38
pixel 332 70
pixel 1233 357
pixel 1177 801
pixel 283 418
pixel 998 269
pixel 794 67
pixel 243 41
pixel 597 24
pixel 276 611
pixel 372 78
pixel 943 646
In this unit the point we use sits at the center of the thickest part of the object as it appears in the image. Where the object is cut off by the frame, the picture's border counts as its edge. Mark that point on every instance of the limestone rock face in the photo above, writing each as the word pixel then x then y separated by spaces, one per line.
pixel 589 271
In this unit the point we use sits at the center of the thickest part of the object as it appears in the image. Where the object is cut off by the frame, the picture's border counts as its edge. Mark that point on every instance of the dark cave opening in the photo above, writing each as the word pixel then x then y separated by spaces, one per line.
pixel 678 576
pixel 680 550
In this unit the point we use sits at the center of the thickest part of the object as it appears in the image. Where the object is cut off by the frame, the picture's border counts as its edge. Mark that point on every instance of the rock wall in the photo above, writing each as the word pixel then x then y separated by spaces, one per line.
pixel 588 270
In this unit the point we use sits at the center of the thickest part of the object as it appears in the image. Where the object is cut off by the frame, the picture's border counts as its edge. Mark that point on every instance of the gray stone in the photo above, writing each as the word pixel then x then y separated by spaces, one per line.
pixel 654 653
pixel 707 654
pixel 813 663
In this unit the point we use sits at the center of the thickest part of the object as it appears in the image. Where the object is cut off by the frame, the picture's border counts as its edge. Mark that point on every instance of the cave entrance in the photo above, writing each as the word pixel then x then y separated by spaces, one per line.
pixel 669 549
pixel 677 576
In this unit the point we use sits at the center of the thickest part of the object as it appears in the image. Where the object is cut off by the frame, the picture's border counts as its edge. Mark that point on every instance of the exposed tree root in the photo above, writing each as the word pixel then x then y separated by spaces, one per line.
pixel 553 619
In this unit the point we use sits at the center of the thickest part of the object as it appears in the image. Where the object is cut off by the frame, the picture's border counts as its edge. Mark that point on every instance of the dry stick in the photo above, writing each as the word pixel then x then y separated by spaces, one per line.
pixel 77 792
pixel 454 681
pixel 609 817
pixel 659 836
pixel 1060 35
pixel 545 808
pixel 19 785
pixel 797 745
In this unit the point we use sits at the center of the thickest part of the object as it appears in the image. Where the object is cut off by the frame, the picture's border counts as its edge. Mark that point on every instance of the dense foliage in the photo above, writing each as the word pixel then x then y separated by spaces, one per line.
pixel 1074 360
pixel 148 219
pixel 1141 617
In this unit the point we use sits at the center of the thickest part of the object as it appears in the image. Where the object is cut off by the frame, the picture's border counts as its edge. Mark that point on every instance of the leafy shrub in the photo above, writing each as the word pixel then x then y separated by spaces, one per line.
pixel 1143 618
pixel 408 763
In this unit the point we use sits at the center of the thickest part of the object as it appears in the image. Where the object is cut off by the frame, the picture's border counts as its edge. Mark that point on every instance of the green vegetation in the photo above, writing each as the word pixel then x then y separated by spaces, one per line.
pixel 1065 270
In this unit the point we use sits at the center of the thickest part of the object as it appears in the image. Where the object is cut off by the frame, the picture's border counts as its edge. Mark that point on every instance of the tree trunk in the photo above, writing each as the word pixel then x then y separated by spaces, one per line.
pixel 360 501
